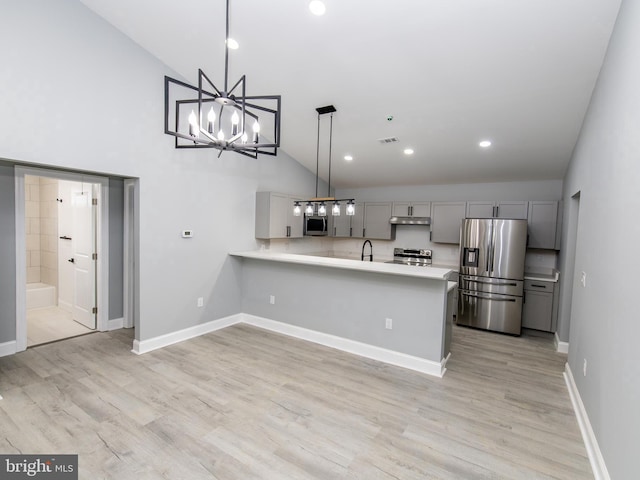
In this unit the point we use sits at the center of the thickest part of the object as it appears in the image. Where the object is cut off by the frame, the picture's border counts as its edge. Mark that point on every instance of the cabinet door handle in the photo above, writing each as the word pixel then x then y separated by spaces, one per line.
pixel 288 231
pixel 538 285
pixel 334 231
pixel 351 231
pixel 364 230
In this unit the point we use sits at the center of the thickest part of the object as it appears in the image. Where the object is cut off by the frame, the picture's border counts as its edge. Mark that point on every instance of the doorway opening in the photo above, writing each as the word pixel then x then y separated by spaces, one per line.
pixel 76 281
pixel 61 240
pixel 566 294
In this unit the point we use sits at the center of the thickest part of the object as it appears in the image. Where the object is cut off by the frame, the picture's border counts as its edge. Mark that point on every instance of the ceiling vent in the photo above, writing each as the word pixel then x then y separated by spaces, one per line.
pixel 384 141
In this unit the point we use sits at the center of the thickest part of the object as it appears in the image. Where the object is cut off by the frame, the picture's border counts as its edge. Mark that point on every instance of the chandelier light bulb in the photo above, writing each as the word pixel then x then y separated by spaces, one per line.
pixel 211 117
pixel 193 124
pixel 221 135
pixel 244 137
pixel 256 131
pixel 322 210
pixel 335 210
pixel 232 44
pixel 235 119
pixel 297 210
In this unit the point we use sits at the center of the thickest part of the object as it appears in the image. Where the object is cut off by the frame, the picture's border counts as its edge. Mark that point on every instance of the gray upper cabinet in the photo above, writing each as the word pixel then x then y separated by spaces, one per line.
pixel 274 216
pixel 543 224
pixel 376 221
pixel 357 222
pixel 504 209
pixel 341 225
pixel 345 226
pixel 446 220
pixel 411 209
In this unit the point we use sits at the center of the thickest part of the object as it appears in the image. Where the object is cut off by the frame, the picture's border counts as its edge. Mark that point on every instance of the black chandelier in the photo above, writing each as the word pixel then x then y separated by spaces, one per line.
pixel 227 119
pixel 318 205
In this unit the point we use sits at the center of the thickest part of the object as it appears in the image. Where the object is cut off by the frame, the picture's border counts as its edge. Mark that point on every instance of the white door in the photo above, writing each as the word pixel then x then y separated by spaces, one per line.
pixel 84 293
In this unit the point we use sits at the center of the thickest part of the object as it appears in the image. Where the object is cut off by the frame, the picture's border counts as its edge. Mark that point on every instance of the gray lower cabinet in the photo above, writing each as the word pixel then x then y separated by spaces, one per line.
pixel 540 305
pixel 376 221
pixel 446 220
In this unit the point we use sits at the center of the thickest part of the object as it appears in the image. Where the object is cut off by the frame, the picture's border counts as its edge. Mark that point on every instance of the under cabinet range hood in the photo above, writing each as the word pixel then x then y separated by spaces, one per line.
pixel 410 220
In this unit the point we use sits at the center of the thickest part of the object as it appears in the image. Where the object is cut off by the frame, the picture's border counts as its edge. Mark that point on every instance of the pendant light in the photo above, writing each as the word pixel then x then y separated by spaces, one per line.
pixel 317 205
pixel 208 117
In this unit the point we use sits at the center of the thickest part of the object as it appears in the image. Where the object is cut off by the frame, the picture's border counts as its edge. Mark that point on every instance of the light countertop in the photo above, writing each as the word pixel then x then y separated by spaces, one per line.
pixel 542 274
pixel 434 273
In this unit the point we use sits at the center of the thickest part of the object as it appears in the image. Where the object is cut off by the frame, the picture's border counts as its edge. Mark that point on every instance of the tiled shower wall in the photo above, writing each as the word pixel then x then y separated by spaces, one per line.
pixel 42 229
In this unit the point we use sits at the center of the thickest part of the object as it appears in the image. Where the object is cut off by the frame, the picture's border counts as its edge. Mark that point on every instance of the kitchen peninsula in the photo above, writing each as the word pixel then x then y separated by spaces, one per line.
pixel 393 313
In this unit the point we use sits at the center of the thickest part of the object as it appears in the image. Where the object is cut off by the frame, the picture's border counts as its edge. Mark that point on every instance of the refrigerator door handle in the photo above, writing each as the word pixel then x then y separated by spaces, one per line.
pixel 493 246
pixel 498 284
pixel 493 299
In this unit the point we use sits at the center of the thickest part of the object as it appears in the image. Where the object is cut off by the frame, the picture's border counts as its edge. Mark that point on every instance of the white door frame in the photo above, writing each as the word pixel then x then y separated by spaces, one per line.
pixel 102 264
pixel 130 254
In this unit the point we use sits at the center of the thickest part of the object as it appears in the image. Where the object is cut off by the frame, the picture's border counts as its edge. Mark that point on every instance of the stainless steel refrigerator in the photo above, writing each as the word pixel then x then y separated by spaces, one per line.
pixel 492 274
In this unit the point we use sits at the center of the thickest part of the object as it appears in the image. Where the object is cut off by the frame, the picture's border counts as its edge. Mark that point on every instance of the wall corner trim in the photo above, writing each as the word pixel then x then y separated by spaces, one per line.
pixel 145 346
pixel 596 459
pixel 373 352
pixel 8 348
pixel 561 347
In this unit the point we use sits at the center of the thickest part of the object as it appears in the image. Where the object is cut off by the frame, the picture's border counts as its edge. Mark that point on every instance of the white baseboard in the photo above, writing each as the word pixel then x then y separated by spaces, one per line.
pixel 144 346
pixel 115 324
pixel 351 346
pixel 561 347
pixel 598 466
pixel 8 348
pixel 66 306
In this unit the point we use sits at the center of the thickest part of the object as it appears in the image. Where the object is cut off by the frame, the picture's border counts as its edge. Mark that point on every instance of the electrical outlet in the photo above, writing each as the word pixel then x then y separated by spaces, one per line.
pixel 584 368
pixel 200 302
pixel 272 299
pixel 388 323
pixel 583 279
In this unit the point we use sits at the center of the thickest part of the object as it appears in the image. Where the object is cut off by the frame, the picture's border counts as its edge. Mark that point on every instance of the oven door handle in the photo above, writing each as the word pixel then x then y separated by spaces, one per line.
pixel 493 299
pixel 499 284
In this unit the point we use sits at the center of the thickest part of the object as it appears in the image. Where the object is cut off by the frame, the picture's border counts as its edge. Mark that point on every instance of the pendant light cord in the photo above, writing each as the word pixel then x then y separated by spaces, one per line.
pixel 330 144
pixel 226 53
pixel 318 156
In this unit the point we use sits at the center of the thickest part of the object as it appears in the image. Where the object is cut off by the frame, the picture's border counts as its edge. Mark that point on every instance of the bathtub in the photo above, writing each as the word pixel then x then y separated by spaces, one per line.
pixel 40 295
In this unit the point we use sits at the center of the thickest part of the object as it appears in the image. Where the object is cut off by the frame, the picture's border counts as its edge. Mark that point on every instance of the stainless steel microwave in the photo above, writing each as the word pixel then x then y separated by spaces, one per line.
pixel 315 225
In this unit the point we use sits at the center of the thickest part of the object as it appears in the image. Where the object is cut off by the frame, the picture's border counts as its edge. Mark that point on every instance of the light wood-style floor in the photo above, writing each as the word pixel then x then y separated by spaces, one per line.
pixel 50 324
pixel 243 403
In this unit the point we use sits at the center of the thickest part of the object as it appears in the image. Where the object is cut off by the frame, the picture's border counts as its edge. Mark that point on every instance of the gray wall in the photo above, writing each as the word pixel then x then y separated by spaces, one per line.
pixel 7 254
pixel 116 247
pixel 359 303
pixel 605 169
pixel 99 107
pixel 536 190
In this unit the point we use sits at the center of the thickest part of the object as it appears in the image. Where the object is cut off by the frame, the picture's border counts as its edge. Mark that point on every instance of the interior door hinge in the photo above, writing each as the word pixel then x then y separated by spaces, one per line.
pixel 94 310
pixel 94 256
pixel 94 201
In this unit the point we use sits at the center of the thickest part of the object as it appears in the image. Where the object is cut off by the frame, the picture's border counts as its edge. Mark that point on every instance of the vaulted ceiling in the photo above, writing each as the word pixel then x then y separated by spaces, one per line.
pixel 450 73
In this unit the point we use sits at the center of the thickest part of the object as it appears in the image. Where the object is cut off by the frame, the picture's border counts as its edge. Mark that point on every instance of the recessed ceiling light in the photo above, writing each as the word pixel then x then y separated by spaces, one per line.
pixel 232 44
pixel 348 158
pixel 408 151
pixel 317 7
pixel 485 143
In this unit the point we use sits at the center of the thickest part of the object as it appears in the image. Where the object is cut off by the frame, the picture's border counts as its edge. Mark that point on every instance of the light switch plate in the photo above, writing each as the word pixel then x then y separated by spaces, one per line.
pixel 187 233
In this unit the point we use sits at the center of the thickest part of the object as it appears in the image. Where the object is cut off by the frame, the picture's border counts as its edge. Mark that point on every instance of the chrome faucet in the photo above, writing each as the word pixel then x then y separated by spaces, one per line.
pixel 370 251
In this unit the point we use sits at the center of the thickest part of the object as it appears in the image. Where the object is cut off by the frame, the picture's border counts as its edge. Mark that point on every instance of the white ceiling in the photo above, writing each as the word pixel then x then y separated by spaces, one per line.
pixel 450 72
